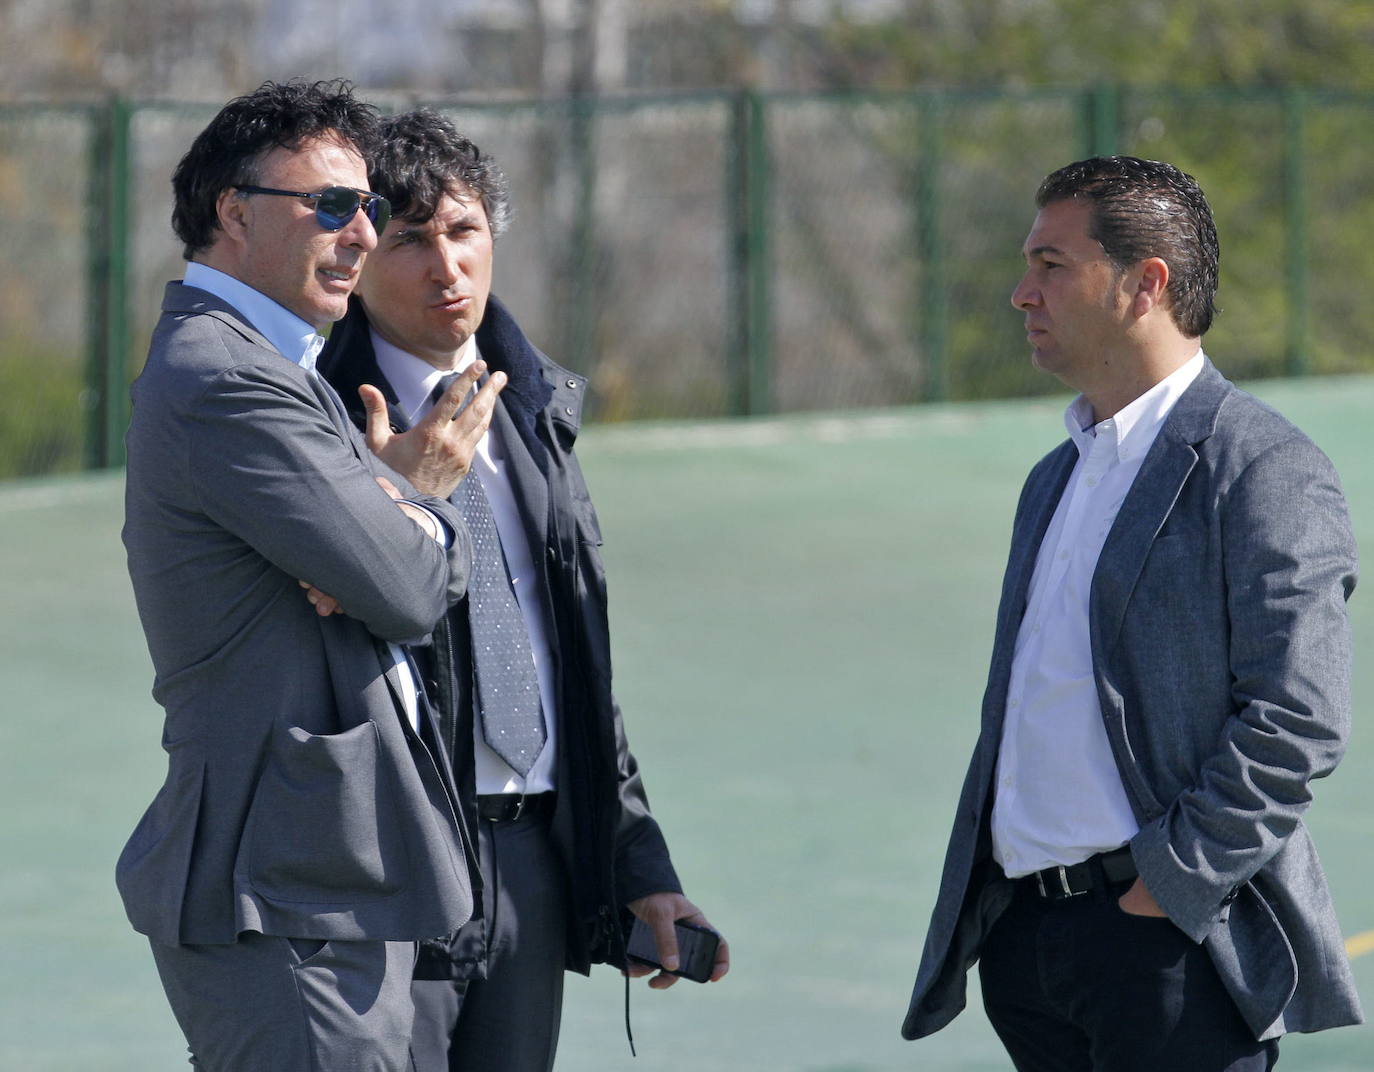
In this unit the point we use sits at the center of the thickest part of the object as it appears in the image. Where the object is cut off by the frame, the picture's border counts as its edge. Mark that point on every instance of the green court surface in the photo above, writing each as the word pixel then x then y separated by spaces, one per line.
pixel 802 610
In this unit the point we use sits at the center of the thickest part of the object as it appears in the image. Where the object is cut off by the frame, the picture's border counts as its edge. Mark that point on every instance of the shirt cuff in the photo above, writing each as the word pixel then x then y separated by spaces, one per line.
pixel 445 537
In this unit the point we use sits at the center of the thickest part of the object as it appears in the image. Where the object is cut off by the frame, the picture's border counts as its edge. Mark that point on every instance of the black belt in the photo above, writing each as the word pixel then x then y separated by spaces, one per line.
pixel 508 807
pixel 1095 873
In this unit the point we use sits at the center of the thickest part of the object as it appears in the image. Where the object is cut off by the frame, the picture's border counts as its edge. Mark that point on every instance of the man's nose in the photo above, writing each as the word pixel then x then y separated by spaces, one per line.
pixel 1024 296
pixel 358 233
pixel 448 265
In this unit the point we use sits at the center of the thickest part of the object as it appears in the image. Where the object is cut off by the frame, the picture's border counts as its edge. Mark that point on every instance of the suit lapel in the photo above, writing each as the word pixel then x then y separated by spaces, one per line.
pixel 527 479
pixel 1148 503
pixel 1042 499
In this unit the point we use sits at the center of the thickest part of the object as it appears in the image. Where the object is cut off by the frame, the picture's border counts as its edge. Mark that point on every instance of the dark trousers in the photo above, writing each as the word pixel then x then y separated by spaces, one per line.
pixel 291 1004
pixel 1081 986
pixel 507 1022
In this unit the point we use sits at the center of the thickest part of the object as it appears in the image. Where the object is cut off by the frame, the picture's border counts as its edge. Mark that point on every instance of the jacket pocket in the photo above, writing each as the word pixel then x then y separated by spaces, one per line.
pixel 1255 960
pixel 324 826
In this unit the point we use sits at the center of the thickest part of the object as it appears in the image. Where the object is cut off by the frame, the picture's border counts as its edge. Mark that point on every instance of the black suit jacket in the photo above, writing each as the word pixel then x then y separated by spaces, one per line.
pixel 611 844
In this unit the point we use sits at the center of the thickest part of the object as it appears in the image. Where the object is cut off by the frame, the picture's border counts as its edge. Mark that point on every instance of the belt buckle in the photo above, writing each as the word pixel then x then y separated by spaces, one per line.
pixel 519 807
pixel 1056 895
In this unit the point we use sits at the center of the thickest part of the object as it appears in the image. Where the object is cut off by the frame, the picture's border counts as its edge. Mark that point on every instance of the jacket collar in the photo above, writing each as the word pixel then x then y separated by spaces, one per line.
pixel 1156 488
pixel 1148 504
pixel 180 300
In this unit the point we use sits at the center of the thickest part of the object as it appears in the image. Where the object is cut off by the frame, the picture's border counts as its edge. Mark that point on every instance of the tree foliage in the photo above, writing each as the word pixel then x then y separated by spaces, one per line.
pixel 1075 42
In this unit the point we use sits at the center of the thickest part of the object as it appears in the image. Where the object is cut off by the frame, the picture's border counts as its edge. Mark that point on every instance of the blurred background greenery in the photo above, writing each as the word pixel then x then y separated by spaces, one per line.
pixel 723 207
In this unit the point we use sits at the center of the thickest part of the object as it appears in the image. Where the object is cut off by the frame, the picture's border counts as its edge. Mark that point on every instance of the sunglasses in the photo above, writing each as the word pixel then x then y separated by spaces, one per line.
pixel 335 205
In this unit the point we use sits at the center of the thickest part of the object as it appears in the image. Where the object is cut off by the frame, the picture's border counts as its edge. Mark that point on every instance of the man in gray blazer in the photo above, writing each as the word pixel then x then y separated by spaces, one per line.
pixel 305 837
pixel 1170 673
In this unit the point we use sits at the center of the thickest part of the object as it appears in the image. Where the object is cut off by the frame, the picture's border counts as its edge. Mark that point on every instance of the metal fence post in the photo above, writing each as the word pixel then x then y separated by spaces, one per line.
pixel 1102 112
pixel 584 256
pixel 736 214
pixel 751 256
pixel 760 204
pixel 933 303
pixel 751 357
pixel 1297 346
pixel 108 274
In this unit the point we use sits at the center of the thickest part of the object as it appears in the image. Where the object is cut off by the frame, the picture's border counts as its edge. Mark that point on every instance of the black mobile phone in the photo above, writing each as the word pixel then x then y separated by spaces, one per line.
pixel 696 949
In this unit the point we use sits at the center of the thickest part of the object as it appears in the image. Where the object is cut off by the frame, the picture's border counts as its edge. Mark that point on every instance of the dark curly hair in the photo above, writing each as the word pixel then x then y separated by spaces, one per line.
pixel 422 157
pixel 1145 208
pixel 228 151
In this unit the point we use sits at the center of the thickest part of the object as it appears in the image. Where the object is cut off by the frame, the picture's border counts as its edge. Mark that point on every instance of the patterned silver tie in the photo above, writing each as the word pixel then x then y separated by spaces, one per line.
pixel 507 686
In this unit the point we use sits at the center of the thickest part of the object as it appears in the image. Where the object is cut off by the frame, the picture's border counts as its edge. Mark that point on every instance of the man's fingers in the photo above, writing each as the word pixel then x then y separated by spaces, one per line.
pixel 449 406
pixel 722 964
pixel 469 426
pixel 388 487
pixel 665 940
pixel 378 432
pixel 324 605
pixel 476 415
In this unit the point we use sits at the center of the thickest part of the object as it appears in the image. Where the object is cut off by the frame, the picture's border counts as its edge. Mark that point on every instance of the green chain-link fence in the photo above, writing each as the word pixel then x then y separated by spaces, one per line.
pixel 724 254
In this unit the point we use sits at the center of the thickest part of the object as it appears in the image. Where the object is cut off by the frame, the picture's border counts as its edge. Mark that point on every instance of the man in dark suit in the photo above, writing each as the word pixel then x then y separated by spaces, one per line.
pixel 551 793
pixel 305 836
pixel 1169 675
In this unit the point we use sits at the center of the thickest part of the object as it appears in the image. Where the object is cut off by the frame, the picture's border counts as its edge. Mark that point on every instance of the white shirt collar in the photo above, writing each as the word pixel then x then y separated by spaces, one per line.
pixel 413 378
pixel 293 338
pixel 1135 426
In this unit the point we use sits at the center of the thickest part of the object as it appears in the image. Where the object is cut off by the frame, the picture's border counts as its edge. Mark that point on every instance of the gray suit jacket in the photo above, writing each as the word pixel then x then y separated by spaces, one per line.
pixel 1222 657
pixel 298 801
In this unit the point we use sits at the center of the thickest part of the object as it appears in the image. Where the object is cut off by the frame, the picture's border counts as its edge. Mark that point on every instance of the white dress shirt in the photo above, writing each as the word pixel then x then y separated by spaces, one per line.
pixel 299 343
pixel 1058 797
pixel 413 379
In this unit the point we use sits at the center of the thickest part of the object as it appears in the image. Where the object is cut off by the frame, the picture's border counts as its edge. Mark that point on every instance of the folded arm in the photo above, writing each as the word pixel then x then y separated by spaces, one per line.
pixel 270 466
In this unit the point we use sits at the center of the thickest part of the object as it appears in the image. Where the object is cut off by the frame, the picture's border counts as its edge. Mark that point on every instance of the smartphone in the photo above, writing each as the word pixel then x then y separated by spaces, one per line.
pixel 696 949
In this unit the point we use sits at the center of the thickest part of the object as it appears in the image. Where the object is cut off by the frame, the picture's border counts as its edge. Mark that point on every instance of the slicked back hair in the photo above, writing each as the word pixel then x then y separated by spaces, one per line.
pixel 229 151
pixel 1141 209
pixel 422 157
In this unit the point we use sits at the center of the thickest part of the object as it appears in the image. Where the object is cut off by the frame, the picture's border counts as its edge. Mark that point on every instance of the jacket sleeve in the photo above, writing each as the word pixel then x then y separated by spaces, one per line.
pixel 270 467
pixel 643 865
pixel 1289 566
pixel 459 542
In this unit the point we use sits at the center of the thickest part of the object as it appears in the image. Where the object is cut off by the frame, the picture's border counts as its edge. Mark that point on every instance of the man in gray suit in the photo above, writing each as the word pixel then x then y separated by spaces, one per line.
pixel 1170 673
pixel 306 836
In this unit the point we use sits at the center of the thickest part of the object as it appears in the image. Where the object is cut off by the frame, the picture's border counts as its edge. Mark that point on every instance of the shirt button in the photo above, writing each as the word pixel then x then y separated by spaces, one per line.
pixel 1014 702
pixel 572 384
pixel 1063 555
pixel 1091 481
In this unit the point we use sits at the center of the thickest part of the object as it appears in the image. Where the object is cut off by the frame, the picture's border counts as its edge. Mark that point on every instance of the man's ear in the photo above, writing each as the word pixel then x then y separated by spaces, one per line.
pixel 232 212
pixel 1151 285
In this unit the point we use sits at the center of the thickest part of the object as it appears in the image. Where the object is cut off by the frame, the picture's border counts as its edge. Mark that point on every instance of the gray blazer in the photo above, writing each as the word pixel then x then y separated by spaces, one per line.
pixel 1222 656
pixel 298 801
